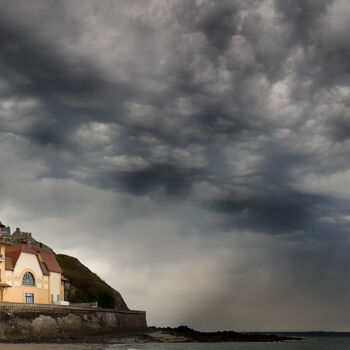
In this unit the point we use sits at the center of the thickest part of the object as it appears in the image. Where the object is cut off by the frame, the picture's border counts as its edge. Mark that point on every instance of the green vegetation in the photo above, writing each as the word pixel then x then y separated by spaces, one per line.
pixel 86 286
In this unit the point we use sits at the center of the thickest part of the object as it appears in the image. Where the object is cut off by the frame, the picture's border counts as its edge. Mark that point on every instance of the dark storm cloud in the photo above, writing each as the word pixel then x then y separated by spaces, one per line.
pixel 302 18
pixel 73 92
pixel 326 53
pixel 218 23
pixel 175 181
pixel 70 92
pixel 38 67
pixel 275 212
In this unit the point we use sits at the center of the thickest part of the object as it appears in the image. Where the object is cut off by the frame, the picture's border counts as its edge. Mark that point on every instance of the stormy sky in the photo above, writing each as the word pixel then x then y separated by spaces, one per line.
pixel 194 153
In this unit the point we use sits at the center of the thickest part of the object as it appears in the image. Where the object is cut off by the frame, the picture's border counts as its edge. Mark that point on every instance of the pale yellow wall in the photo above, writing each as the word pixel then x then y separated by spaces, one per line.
pixel 62 292
pixel 55 285
pixel 9 277
pixel 2 263
pixel 26 261
pixel 16 294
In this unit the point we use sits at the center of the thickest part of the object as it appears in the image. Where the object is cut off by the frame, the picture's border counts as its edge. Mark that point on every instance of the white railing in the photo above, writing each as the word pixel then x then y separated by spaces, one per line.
pixel 30 307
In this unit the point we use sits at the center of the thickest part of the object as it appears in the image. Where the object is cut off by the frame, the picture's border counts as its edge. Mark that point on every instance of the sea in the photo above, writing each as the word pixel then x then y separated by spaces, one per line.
pixel 313 341
pixel 324 341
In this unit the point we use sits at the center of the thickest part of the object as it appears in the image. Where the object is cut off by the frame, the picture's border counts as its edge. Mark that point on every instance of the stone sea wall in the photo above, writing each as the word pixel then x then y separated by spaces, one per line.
pixel 35 322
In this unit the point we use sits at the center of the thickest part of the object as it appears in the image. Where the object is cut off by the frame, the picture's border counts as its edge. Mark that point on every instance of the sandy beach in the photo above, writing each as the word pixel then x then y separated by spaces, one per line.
pixel 35 346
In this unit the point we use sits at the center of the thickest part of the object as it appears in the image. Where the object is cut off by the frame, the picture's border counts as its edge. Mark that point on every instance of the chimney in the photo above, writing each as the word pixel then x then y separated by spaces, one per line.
pixel 1 227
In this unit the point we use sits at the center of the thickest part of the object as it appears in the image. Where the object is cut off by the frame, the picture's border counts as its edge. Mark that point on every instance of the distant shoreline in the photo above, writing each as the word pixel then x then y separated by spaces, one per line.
pixel 182 334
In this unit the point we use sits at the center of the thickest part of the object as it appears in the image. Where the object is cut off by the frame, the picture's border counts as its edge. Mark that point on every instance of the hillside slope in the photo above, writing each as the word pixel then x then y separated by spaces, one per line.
pixel 86 286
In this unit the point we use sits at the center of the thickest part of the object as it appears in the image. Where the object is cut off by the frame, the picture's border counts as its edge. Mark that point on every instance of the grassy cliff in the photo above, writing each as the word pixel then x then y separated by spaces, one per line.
pixel 86 286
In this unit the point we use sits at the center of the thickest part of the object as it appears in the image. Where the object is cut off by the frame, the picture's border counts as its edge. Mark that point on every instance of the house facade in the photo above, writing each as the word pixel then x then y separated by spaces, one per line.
pixel 29 275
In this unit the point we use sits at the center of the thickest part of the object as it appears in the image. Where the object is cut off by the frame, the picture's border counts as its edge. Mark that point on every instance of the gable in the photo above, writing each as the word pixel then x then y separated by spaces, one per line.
pixel 47 261
pixel 28 261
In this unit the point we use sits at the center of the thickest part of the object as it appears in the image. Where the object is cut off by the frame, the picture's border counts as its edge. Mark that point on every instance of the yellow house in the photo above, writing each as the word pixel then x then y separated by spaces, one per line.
pixel 29 275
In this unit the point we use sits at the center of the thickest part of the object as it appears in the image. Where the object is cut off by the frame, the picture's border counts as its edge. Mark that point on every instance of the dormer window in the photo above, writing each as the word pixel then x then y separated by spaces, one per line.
pixel 28 279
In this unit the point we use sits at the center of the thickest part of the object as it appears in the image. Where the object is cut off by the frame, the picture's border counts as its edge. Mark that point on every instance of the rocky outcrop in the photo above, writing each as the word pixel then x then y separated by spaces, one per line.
pixel 186 334
pixel 26 238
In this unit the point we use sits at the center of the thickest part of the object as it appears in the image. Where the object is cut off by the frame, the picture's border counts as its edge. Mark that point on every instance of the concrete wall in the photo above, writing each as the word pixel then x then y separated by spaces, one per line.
pixel 34 322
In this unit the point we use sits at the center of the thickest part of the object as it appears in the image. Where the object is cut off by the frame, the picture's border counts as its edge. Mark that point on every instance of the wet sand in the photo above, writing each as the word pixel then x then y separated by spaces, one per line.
pixel 34 346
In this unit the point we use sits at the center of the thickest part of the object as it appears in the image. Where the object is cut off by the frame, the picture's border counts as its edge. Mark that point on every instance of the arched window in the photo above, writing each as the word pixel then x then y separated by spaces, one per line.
pixel 28 279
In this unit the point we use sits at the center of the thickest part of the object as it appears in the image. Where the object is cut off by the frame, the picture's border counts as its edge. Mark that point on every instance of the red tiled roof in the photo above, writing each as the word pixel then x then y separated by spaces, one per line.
pixel 12 253
pixel 8 263
pixel 44 268
pixel 49 264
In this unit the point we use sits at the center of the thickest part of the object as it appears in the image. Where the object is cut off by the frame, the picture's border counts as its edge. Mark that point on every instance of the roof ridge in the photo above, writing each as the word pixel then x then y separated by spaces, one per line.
pixel 49 258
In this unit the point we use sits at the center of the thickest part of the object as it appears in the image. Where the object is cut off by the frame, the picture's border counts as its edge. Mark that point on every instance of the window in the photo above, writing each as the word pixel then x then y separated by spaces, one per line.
pixel 28 279
pixel 29 298
pixel 58 297
pixel 52 298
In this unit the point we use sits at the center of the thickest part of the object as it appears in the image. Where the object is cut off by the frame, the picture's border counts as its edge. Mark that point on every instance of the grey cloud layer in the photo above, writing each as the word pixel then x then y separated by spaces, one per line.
pixel 236 110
